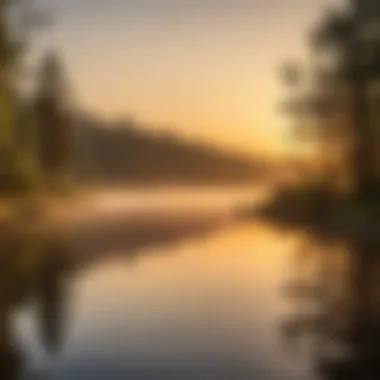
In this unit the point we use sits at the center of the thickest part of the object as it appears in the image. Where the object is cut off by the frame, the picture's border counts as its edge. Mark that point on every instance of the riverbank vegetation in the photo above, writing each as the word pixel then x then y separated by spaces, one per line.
pixel 34 125
pixel 337 115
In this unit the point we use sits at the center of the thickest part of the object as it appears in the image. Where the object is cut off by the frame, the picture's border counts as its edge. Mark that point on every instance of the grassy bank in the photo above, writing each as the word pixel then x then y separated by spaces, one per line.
pixel 20 207
pixel 29 206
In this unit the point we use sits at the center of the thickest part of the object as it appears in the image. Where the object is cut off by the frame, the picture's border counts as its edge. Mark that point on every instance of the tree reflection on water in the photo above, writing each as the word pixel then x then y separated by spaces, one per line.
pixel 335 294
pixel 33 270
pixel 37 269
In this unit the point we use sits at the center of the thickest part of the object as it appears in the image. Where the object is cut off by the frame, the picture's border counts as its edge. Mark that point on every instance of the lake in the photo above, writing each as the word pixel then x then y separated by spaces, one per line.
pixel 174 296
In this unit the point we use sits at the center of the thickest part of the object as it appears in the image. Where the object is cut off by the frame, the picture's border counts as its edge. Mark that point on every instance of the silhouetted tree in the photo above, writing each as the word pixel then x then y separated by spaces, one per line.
pixel 53 118
pixel 355 36
pixel 9 59
pixel 17 155
pixel 343 92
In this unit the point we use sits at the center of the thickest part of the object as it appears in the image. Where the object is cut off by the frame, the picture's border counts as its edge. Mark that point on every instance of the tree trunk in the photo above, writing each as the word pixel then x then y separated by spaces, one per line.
pixel 364 155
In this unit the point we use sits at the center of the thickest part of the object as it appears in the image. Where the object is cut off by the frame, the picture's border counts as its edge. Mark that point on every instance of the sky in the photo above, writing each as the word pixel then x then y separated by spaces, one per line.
pixel 201 68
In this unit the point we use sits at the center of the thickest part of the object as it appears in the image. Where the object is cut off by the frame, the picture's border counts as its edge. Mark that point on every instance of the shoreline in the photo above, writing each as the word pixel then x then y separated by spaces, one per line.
pixel 102 206
pixel 323 214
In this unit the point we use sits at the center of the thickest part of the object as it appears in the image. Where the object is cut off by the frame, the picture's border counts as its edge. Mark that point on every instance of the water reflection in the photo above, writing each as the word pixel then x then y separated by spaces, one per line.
pixel 37 270
pixel 335 292
pixel 52 290
pixel 32 271
pixel 191 310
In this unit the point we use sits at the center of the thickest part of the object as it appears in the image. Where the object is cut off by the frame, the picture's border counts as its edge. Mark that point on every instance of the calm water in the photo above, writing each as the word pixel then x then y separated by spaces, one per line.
pixel 195 301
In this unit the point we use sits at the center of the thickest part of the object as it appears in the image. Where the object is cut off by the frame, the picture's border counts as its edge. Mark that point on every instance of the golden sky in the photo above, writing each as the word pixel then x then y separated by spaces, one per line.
pixel 205 69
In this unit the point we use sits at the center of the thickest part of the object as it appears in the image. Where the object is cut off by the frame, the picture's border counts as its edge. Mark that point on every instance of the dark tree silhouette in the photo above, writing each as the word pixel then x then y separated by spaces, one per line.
pixel 350 40
pixel 53 118
pixel 17 150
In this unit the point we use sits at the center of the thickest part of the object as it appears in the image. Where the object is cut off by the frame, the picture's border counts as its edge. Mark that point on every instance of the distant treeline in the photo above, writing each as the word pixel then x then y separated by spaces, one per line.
pixel 124 153
pixel 47 144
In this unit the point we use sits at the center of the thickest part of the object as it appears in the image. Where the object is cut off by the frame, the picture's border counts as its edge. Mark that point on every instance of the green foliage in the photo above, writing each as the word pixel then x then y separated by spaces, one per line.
pixel 16 173
pixel 18 169
pixel 22 130
pixel 16 161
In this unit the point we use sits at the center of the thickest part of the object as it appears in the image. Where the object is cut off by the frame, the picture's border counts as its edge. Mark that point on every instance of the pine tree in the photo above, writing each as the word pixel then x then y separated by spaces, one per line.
pixel 350 40
pixel 52 108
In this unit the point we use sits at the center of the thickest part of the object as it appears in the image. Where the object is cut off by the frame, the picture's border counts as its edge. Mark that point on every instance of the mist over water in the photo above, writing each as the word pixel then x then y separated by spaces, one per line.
pixel 184 297
pixel 200 304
